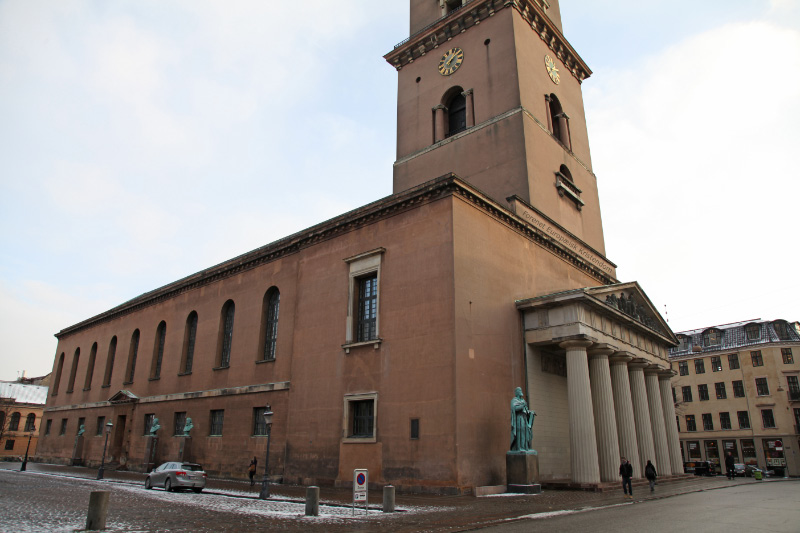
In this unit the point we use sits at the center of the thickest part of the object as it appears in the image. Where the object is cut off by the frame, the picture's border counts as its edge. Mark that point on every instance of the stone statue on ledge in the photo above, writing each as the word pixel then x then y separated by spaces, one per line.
pixel 521 423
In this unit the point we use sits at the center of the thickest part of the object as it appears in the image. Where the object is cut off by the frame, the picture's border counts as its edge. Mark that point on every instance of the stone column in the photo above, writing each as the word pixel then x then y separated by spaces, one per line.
pixel 470 107
pixel 582 438
pixel 438 123
pixel 668 405
pixel 662 460
pixel 626 423
pixel 605 421
pixel 641 412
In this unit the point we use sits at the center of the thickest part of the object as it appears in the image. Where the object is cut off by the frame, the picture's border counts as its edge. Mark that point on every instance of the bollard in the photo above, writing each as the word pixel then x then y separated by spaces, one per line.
pixel 98 509
pixel 312 501
pixel 388 499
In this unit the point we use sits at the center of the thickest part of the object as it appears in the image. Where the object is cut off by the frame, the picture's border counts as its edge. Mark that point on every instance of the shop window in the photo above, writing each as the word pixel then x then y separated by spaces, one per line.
pixel 725 421
pixel 133 353
pixel 712 451
pixel 767 418
pixel 748 451
pixel 762 387
pixel 756 357
pixel 733 361
pixel 752 332
pixel 269 324
pixel 13 424
pixel 360 417
pixel 30 422
pixel 189 337
pixel 683 368
pixel 788 358
pixel 694 449
pixel 363 317
pixel 158 350
pixel 708 422
pixel 74 370
pixel 744 419
pixel 730 446
pixel 699 366
pixel 216 420
pixel 738 388
pixel 716 364
pixel 690 423
pixel 112 350
pixel 702 392
pixel 87 383
pixel 178 423
pixel 720 390
pixel 225 338
pixel 687 393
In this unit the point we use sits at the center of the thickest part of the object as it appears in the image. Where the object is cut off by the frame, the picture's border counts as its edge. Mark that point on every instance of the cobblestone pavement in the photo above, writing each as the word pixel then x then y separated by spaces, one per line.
pixel 55 498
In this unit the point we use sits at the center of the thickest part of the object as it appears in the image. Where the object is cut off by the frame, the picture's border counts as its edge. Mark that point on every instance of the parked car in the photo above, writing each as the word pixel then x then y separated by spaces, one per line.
pixel 700 468
pixel 176 476
pixel 739 469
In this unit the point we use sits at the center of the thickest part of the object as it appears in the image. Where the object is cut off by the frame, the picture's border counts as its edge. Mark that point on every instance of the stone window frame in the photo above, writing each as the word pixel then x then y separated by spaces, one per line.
pixel 110 357
pixel 361 266
pixel 133 353
pixel 270 316
pixel 216 422
pixel 227 320
pixel 347 419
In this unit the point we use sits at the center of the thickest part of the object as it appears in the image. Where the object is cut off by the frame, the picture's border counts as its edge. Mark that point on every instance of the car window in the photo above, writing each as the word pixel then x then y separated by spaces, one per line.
pixel 192 467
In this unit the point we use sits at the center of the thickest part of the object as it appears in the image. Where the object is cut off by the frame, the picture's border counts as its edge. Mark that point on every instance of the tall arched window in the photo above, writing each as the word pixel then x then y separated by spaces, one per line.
pixel 189 336
pixel 269 324
pixel 132 354
pixel 87 383
pixel 59 369
pixel 30 422
pixel 225 341
pixel 2 420
pixel 158 350
pixel 112 352
pixel 73 370
pixel 456 112
pixel 14 424
pixel 558 121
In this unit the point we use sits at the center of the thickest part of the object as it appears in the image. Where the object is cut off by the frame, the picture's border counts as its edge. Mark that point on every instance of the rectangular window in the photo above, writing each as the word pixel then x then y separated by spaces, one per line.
pixel 9 444
pixel 767 418
pixel 687 393
pixel 63 430
pixel 690 423
pixel 363 312
pixel 217 417
pixel 744 420
pixel 363 419
pixel 360 412
pixel 788 358
pixel 683 368
pixel 101 423
pixel 148 423
pixel 720 389
pixel 730 446
pixel 708 422
pixel 702 392
pixel 81 425
pixel 757 359
pixel 725 421
pixel 716 364
pixel 48 426
pixel 794 388
pixel 752 331
pixel 699 366
pixel 738 389
pixel 179 422
pixel 259 423
pixel 762 387
pixel 733 361
pixel 366 326
pixel 414 428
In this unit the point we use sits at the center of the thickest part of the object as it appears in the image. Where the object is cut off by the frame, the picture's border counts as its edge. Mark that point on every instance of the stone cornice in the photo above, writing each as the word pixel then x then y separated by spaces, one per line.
pixel 472 14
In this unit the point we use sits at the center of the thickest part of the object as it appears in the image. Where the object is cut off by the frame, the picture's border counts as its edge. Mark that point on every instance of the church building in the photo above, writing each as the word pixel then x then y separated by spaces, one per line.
pixel 392 337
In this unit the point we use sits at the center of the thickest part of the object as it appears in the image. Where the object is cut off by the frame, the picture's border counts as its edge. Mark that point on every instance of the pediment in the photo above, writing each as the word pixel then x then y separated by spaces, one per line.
pixel 630 300
pixel 124 396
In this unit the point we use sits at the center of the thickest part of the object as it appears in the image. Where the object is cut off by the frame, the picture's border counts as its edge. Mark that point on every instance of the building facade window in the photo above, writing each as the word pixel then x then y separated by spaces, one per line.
pixel 738 388
pixel 81 425
pixel 702 392
pixel 269 324
pixel 733 361
pixel 762 387
pixel 87 383
pixel 456 112
pixel 367 308
pixel 767 418
pixel 63 430
pixel 101 424
pixel 148 423
pixel 414 429
pixel 112 351
pixel 558 121
pixel 360 417
pixel 225 342
pixel 363 317
pixel 178 423
pixel 158 350
pixel 690 423
pixel 48 426
pixel 699 366
pixel 217 418
pixel 708 422
pixel 259 424
pixel 781 330
pixel 794 388
pixel 712 337
pixel 30 422
pixel 74 370
pixel 788 358
pixel 720 390
pixel 9 444
pixel 189 337
pixel 716 364
pixel 132 354
pixel 744 419
pixel 756 357
pixel 725 421
pixel 57 378
pixel 13 424
pixel 752 332
pixel 685 341
pixel 687 393
pixel 683 368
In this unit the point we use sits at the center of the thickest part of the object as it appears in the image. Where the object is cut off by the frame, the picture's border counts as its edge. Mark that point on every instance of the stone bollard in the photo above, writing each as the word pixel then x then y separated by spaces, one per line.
pixel 388 499
pixel 312 501
pixel 98 509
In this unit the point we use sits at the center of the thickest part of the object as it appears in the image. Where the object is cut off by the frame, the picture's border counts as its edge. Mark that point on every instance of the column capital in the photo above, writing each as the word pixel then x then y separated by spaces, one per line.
pixel 578 341
pixel 653 369
pixel 621 358
pixel 466 93
pixel 667 374
pixel 601 349
pixel 638 364
pixel 437 107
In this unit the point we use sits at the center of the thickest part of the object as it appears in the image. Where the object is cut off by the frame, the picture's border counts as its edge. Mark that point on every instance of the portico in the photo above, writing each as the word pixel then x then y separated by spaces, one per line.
pixel 607 348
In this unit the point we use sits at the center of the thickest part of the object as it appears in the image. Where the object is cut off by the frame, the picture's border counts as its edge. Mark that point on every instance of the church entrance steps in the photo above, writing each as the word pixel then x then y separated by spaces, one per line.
pixel 566 484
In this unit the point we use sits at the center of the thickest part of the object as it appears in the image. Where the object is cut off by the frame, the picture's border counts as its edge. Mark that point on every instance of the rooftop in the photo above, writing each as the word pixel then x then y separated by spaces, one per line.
pixel 21 393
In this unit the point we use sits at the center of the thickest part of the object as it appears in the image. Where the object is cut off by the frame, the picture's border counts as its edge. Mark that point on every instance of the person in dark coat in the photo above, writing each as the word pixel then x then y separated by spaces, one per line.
pixel 252 470
pixel 626 471
pixel 650 474
pixel 730 467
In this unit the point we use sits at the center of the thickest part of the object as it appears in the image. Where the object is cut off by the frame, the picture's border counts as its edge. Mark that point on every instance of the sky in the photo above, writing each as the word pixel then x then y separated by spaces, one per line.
pixel 142 141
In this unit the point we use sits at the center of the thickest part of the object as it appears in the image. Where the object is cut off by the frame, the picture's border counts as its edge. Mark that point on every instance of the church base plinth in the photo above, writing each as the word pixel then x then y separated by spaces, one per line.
pixel 525 489
pixel 522 468
pixel 185 451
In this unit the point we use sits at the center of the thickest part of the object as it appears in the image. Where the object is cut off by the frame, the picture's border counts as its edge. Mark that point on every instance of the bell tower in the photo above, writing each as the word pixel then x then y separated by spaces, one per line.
pixel 491 91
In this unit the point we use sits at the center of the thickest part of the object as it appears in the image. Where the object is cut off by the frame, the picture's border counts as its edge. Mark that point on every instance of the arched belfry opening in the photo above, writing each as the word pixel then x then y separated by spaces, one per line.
pixel 558 121
pixel 456 109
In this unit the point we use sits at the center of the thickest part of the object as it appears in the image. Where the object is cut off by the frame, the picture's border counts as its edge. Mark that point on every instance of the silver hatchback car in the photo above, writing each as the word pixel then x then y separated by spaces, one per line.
pixel 175 475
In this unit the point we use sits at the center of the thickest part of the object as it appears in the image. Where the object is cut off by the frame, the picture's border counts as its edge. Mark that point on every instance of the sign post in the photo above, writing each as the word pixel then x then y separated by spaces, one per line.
pixel 360 488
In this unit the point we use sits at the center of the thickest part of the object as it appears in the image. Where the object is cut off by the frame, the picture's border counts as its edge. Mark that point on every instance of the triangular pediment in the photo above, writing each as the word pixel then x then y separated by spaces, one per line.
pixel 124 396
pixel 630 300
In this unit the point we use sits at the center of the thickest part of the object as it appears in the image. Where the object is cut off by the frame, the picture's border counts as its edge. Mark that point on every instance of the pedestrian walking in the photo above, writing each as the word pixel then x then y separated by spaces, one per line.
pixel 252 470
pixel 626 471
pixel 650 474
pixel 730 466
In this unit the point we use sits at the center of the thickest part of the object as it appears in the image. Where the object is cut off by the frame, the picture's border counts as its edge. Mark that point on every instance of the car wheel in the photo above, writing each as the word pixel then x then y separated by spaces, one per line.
pixel 197 489
pixel 168 485
pixel 148 484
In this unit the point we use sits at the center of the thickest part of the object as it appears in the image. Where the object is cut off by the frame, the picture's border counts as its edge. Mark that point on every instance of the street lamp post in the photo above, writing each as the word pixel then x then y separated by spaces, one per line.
pixel 25 462
pixel 101 471
pixel 265 482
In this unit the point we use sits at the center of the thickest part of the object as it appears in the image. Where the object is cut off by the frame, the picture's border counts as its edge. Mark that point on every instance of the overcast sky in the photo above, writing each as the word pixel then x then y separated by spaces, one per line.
pixel 142 141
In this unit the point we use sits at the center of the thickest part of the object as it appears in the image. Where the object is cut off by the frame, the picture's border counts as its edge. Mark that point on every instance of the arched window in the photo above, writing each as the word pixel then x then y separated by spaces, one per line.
pixel 112 352
pixel 2 420
pixel 566 186
pixel 189 336
pixel 456 113
pixel 225 341
pixel 74 370
pixel 132 353
pixel 30 422
pixel 558 121
pixel 59 369
pixel 158 350
pixel 14 424
pixel 87 383
pixel 269 324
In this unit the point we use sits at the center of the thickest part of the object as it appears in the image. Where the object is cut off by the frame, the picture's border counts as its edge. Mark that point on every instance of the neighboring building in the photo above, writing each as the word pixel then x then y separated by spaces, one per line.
pixel 21 407
pixel 737 390
pixel 392 337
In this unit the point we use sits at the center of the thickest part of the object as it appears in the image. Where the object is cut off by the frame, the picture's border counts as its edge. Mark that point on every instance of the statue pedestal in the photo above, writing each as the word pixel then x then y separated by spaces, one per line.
pixel 150 453
pixel 185 451
pixel 522 472
pixel 77 451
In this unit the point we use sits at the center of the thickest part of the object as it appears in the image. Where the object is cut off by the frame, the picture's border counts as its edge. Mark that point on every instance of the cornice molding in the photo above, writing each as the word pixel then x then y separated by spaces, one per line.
pixel 472 14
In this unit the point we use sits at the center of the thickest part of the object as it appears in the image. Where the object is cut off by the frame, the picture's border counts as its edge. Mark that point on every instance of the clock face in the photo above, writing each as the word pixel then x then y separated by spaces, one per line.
pixel 450 61
pixel 552 71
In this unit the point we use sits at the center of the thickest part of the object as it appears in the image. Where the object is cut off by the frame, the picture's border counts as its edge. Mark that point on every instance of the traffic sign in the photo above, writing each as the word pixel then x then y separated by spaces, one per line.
pixel 360 487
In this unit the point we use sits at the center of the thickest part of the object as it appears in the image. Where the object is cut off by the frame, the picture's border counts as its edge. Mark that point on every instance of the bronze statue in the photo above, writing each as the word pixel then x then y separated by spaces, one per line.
pixel 521 423
pixel 187 427
pixel 154 427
